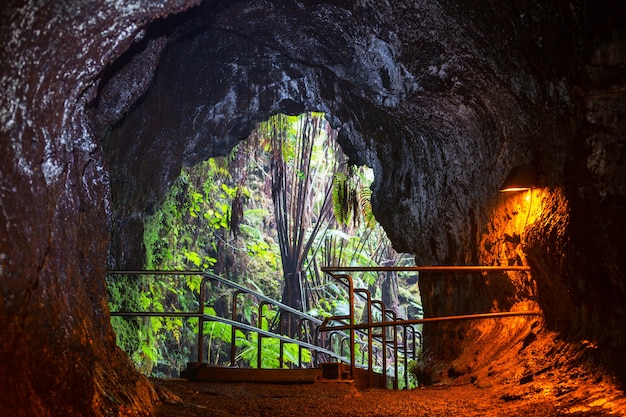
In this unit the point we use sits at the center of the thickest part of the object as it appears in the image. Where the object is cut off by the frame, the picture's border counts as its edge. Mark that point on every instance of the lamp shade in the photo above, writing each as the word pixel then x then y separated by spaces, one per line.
pixel 522 177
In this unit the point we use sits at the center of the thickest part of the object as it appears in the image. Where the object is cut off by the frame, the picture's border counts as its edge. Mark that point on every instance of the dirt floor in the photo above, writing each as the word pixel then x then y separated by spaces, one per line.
pixel 535 374
pixel 576 398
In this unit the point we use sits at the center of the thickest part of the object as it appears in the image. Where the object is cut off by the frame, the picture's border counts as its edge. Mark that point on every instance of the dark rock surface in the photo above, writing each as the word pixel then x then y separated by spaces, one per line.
pixel 57 348
pixel 101 105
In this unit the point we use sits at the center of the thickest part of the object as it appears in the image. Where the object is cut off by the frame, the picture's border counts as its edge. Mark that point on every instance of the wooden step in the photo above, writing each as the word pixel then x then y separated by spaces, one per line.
pixel 326 373
pixel 268 376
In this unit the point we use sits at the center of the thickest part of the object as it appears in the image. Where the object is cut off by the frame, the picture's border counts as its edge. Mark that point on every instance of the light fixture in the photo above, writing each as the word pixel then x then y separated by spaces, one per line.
pixel 521 178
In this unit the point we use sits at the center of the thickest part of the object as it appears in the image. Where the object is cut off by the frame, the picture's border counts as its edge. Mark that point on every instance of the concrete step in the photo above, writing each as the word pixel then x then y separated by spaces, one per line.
pixel 268 376
pixel 326 373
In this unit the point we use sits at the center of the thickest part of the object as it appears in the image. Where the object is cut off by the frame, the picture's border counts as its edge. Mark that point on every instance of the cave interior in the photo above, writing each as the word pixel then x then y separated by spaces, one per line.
pixel 102 106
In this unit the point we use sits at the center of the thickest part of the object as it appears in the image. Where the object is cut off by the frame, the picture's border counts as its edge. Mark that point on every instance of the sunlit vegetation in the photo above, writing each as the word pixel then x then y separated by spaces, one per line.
pixel 268 216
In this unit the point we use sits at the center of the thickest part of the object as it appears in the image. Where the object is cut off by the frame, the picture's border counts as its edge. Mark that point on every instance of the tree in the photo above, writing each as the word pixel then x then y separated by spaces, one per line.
pixel 305 155
pixel 216 216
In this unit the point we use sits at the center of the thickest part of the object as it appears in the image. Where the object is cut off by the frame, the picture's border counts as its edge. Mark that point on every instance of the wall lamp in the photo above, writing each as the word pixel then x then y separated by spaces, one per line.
pixel 521 178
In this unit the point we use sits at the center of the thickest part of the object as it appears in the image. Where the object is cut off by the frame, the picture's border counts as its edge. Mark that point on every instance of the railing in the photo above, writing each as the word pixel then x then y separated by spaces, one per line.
pixel 319 351
pixel 388 337
pixel 409 333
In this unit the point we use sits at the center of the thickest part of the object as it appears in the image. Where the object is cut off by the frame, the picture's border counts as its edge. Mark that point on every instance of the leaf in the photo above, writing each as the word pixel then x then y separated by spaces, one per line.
pixel 290 351
pixel 193 257
pixel 194 282
pixel 240 339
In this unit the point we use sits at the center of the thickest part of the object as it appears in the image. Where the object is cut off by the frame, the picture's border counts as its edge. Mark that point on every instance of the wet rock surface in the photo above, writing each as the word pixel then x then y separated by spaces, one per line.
pixel 57 348
pixel 103 104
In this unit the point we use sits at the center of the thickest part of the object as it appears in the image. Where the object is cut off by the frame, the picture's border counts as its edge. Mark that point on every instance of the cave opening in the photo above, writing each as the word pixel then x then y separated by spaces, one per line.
pixel 219 216
pixel 211 85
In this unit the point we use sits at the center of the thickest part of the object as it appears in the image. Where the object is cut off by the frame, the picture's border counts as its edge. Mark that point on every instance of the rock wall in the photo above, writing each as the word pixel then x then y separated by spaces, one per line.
pixel 57 348
pixel 103 104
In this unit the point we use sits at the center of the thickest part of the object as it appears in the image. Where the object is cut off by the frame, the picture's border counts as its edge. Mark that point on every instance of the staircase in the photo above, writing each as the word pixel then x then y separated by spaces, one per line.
pixel 332 372
pixel 370 353
pixel 329 347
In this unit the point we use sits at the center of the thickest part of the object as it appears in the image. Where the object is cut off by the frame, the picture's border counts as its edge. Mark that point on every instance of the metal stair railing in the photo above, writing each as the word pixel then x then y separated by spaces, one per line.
pixel 381 338
pixel 239 289
pixel 340 275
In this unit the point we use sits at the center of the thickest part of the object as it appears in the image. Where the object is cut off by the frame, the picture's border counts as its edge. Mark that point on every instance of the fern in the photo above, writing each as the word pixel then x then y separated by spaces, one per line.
pixel 341 204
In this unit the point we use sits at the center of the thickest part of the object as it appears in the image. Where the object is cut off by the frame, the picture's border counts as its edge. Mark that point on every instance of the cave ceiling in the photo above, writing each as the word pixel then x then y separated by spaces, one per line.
pixel 444 101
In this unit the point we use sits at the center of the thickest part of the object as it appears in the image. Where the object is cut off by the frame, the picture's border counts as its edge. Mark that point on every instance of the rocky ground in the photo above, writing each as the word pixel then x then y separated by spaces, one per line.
pixel 536 376
pixel 570 398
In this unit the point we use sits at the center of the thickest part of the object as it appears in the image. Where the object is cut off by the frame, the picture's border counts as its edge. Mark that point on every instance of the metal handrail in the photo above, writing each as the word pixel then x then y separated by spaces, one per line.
pixel 207 276
pixel 352 326
pixel 340 274
pixel 370 335
pixel 400 322
pixel 340 324
pixel 426 268
pixel 235 324
pixel 413 351
pixel 382 335
pixel 210 275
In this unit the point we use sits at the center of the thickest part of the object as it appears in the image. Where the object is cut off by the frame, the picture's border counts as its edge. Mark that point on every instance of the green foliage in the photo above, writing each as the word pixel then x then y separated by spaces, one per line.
pixel 352 197
pixel 270 352
pixel 304 156
pixel 219 216
pixel 330 307
pixel 125 296
pixel 148 340
pixel 220 339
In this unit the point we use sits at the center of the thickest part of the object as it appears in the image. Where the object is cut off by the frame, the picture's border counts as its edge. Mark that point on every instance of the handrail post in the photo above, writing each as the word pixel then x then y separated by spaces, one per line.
pixel 407 330
pixel 419 334
pixel 351 313
pixel 300 324
pixel 406 356
pixel 201 321
pixel 281 331
pixel 260 336
pixel 317 335
pixel 415 333
pixel 383 336
pixel 340 339
pixel 303 324
pixel 370 359
pixel 395 348
pixel 352 322
pixel 233 330
pixel 330 340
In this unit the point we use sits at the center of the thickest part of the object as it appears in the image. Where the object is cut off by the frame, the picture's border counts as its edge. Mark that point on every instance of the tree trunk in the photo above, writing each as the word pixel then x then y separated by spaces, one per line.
pixel 292 296
pixel 390 291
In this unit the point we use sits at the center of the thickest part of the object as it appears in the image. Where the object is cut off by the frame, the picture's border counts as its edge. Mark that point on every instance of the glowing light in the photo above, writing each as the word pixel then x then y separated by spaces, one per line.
pixel 521 178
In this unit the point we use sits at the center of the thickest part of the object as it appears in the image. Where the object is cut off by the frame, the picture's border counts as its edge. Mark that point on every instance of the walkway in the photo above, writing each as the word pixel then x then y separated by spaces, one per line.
pixel 342 400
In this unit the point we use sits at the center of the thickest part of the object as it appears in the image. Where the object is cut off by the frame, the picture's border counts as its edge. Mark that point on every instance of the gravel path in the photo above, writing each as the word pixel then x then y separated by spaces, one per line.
pixel 193 399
